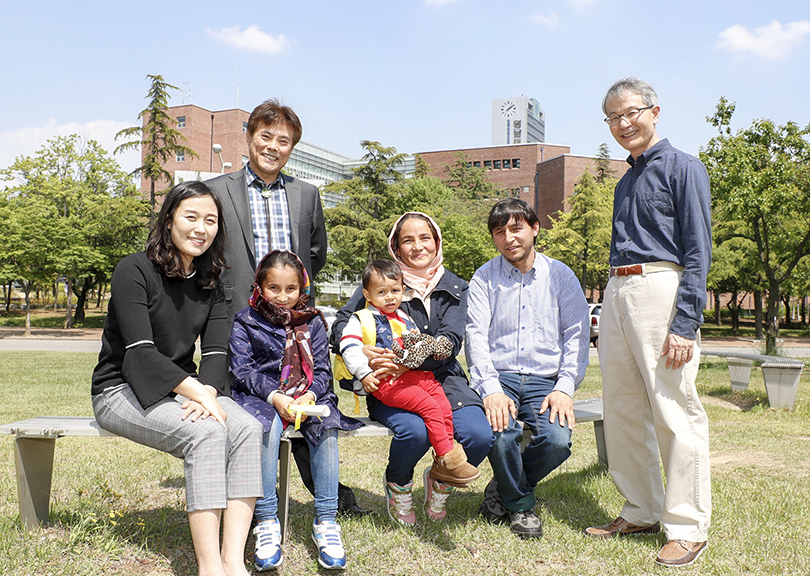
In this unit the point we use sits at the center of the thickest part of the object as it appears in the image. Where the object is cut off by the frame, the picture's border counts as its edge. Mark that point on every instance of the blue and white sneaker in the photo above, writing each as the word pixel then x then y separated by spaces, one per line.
pixel 268 545
pixel 331 554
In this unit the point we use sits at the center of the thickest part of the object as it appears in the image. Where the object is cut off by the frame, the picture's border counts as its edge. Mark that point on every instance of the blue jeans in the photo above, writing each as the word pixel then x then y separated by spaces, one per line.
pixel 410 442
pixel 518 473
pixel 325 460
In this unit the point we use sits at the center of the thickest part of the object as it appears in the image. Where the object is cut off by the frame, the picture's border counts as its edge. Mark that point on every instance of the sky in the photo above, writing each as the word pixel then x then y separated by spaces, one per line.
pixel 418 75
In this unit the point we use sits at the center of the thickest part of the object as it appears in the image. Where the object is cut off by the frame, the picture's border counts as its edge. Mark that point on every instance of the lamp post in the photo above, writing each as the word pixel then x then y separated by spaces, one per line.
pixel 218 151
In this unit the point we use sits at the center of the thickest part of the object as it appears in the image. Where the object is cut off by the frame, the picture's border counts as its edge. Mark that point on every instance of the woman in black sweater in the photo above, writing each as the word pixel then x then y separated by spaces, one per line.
pixel 146 386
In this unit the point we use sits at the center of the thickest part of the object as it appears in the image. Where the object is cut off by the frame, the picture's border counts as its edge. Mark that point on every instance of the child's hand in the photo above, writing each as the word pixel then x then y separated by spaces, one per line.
pixel 280 403
pixel 303 399
pixel 370 383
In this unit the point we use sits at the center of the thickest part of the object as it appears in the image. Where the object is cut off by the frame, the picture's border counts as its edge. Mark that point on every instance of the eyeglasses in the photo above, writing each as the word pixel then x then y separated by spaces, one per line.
pixel 630 115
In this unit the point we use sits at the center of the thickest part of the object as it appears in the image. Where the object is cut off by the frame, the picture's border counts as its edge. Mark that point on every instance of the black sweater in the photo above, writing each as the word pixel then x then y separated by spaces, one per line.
pixel 152 325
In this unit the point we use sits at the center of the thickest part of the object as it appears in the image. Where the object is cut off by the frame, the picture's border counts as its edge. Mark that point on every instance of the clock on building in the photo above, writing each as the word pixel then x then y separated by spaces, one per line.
pixel 508 109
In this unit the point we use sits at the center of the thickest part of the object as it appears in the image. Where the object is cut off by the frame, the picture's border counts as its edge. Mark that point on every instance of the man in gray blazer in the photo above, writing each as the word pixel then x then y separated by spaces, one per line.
pixel 265 209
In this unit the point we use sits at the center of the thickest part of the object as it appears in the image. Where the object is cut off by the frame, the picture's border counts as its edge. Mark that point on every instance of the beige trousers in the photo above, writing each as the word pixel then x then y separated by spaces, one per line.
pixel 651 409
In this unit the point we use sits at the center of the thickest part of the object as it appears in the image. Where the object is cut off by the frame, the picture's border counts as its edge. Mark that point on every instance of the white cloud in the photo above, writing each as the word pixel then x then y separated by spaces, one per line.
pixel 251 39
pixel 551 20
pixel 772 42
pixel 27 141
pixel 580 5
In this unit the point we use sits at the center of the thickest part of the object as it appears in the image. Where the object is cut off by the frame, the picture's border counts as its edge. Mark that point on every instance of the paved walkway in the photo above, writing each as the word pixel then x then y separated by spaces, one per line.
pixel 78 340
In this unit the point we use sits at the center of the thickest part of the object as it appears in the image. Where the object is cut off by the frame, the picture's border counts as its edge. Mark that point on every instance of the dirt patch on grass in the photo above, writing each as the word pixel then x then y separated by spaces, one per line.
pixel 720 403
pixel 727 459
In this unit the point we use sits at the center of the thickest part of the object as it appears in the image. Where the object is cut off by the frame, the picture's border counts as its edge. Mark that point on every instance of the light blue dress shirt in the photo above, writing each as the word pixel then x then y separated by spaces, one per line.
pixel 534 323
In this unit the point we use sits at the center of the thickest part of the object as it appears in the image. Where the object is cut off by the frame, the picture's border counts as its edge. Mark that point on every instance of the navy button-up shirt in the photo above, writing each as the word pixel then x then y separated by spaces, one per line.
pixel 662 212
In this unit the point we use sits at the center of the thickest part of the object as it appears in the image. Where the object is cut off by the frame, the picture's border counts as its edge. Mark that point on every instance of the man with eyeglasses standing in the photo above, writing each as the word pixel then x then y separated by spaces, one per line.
pixel 649 342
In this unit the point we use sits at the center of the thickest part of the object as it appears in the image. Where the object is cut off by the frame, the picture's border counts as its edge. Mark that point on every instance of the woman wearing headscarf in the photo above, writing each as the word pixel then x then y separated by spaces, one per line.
pixel 436 299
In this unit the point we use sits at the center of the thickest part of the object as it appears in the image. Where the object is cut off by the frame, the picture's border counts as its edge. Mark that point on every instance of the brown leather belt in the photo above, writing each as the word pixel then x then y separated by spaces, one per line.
pixel 643 269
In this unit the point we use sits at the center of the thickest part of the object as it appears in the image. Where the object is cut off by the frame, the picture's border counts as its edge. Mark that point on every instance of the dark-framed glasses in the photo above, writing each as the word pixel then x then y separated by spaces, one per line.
pixel 629 115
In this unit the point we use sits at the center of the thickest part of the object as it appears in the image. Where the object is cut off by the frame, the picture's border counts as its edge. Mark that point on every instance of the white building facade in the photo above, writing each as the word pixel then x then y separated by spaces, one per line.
pixel 517 120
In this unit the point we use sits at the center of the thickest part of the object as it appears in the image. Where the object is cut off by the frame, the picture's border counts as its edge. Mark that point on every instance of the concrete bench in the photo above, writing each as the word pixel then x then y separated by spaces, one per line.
pixel 781 375
pixel 35 442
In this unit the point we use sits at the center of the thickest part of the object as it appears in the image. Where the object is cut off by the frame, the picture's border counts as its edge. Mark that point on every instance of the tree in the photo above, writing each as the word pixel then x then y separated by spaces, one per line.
pixel 470 181
pixel 358 228
pixel 158 138
pixel 80 214
pixel 581 237
pixel 735 267
pixel 761 176
pixel 378 195
pixel 603 170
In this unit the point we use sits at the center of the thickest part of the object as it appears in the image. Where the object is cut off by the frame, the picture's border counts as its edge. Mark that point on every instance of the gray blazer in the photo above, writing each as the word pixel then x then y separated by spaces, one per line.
pixel 308 233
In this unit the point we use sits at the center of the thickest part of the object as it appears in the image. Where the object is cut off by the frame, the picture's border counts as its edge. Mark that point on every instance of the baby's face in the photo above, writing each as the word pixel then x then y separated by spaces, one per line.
pixel 385 293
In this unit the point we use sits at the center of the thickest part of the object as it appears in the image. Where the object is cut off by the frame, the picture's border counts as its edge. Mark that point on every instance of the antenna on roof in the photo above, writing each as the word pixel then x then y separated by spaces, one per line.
pixel 185 91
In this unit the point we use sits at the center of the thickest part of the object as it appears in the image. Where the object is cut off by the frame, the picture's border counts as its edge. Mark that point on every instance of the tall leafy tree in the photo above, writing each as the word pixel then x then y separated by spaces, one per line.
pixel 469 181
pixel 157 137
pixel 761 176
pixel 581 237
pixel 75 194
pixel 358 228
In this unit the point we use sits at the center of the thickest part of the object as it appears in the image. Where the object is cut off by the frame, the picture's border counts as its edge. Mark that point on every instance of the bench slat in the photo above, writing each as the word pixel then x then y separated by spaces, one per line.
pixel 35 439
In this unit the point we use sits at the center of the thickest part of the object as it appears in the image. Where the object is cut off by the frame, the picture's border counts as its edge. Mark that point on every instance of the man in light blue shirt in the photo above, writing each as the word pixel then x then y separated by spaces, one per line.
pixel 527 350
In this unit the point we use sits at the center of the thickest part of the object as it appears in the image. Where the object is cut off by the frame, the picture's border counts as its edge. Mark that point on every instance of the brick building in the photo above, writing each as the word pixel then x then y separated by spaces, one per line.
pixel 202 129
pixel 542 174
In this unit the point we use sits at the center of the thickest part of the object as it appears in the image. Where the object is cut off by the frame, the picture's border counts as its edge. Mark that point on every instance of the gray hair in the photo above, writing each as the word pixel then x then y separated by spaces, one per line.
pixel 633 86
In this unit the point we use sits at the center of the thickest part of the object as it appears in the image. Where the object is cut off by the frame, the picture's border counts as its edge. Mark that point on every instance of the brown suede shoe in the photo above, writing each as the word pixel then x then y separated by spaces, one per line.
pixel 453 468
pixel 678 553
pixel 620 527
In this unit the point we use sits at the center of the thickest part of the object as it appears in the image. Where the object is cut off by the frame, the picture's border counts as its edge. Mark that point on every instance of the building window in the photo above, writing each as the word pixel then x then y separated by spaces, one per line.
pixel 515 162
pixel 496 164
pixel 181 121
pixel 488 164
pixel 181 156
pixel 477 163
pixel 244 127
pixel 507 164
pixel 525 189
pixel 244 161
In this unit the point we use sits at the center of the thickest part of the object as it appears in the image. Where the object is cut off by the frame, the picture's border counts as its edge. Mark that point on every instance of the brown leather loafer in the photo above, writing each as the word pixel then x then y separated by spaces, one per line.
pixel 680 553
pixel 620 527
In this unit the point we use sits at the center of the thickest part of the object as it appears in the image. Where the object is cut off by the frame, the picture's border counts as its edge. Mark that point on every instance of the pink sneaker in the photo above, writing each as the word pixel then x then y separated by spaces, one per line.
pixel 399 501
pixel 436 494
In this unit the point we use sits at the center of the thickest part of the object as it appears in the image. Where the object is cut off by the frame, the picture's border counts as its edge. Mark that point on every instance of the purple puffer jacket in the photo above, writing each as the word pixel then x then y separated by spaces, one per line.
pixel 257 349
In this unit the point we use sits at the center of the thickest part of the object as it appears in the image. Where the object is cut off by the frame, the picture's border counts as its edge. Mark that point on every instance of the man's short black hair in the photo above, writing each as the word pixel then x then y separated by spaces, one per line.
pixel 505 210
pixel 384 269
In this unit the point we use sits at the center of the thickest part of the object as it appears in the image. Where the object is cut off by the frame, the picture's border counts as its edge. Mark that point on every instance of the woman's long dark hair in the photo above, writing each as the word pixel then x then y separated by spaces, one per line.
pixel 161 250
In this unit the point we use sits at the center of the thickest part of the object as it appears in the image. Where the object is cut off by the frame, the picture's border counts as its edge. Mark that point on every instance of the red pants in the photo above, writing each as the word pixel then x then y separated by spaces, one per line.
pixel 418 391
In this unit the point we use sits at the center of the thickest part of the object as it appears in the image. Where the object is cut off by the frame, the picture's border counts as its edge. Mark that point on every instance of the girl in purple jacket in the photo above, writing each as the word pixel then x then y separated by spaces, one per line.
pixel 280 362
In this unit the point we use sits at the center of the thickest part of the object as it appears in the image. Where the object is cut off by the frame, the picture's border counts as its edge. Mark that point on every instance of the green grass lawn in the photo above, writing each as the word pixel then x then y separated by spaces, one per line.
pixel 118 508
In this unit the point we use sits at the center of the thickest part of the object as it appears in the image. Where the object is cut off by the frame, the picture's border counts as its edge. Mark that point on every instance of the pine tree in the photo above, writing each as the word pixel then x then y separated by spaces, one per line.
pixel 158 137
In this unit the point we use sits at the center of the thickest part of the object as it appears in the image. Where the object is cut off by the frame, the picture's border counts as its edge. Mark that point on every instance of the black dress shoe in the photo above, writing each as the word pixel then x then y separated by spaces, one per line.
pixel 347 504
pixel 352 510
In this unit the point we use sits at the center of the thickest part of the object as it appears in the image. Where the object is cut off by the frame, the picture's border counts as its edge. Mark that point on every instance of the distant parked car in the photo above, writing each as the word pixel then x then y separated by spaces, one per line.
pixel 329 314
pixel 594 312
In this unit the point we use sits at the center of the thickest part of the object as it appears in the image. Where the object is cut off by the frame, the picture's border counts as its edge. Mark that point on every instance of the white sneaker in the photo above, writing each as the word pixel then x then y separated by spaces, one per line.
pixel 268 545
pixel 326 536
